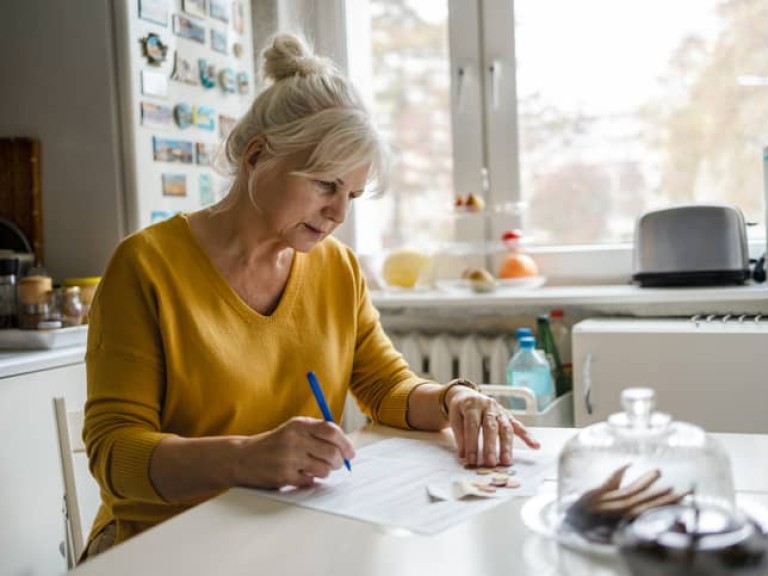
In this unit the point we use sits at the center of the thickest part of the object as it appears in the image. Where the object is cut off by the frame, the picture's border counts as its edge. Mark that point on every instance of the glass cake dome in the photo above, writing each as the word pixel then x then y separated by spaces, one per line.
pixel 635 461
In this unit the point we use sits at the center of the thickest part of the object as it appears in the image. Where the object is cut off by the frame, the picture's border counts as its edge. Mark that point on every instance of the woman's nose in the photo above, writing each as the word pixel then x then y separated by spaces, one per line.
pixel 338 207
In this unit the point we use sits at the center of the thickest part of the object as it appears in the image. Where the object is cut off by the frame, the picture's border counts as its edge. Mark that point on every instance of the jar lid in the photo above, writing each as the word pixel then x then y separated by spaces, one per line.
pixel 8 266
pixel 83 281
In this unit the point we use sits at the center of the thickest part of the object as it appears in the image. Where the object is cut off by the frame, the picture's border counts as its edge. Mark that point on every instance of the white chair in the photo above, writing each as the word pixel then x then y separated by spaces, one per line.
pixel 69 426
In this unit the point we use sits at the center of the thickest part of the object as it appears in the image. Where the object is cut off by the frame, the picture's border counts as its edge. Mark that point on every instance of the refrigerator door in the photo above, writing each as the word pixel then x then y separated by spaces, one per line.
pixel 185 72
pixel 708 373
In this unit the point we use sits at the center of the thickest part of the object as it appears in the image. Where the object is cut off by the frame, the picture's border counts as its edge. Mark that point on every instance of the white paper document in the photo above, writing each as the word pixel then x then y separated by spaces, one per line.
pixel 389 484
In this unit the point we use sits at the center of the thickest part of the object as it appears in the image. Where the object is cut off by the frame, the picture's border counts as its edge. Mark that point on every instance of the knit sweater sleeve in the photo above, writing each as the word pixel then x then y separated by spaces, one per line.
pixel 125 372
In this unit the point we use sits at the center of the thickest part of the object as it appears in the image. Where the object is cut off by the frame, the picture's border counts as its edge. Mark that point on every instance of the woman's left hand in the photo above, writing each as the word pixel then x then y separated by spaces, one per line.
pixel 483 428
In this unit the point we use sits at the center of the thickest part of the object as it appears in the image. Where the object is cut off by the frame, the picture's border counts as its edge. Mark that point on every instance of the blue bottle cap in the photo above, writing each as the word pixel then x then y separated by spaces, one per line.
pixel 528 342
pixel 522 332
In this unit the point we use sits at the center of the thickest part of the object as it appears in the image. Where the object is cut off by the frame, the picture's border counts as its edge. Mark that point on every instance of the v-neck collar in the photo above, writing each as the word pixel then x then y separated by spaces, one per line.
pixel 225 290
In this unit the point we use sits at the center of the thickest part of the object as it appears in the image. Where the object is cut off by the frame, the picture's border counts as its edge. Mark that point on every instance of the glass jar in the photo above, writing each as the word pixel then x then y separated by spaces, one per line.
pixel 8 292
pixel 34 301
pixel 87 287
pixel 71 307
pixel 611 471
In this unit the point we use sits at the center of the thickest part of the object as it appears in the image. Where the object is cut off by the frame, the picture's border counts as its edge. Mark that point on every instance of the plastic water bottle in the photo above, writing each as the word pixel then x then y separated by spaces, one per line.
pixel 530 369
pixel 520 333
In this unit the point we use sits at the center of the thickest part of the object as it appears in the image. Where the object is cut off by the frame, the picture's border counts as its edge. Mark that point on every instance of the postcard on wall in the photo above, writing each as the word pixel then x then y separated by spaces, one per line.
pixel 174 185
pixel 160 215
pixel 188 28
pixel 156 115
pixel 203 117
pixel 219 10
pixel 204 153
pixel 226 124
pixel 169 150
pixel 219 41
pixel 194 7
pixel 238 16
pixel 154 84
pixel 154 11
pixel 206 190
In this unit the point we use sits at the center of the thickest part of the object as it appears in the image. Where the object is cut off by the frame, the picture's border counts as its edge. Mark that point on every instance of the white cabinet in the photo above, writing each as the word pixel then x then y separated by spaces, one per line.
pixel 711 373
pixel 30 475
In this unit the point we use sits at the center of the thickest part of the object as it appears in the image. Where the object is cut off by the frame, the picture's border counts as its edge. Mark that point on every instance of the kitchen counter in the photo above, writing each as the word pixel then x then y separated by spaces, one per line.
pixel 603 299
pixel 18 362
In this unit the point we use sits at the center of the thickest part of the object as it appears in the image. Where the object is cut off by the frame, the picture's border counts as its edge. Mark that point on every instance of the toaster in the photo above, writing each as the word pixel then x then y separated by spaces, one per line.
pixel 691 245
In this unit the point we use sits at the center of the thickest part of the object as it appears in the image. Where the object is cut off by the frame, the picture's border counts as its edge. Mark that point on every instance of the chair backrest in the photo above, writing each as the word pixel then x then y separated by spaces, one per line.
pixel 69 426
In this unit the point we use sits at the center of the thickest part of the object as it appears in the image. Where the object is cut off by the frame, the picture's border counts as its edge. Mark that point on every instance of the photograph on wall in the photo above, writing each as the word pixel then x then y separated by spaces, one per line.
pixel 219 41
pixel 238 22
pixel 154 11
pixel 206 190
pixel 219 10
pixel 226 124
pixel 182 71
pixel 154 84
pixel 156 115
pixel 170 150
pixel 204 153
pixel 194 7
pixel 160 215
pixel 188 28
pixel 203 117
pixel 174 185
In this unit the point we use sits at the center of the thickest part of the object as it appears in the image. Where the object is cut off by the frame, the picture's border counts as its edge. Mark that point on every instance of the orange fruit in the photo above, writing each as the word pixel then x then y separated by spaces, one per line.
pixel 518 266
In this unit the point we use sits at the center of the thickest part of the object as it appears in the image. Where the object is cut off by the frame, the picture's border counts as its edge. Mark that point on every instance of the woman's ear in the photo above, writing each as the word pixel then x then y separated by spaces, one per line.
pixel 252 152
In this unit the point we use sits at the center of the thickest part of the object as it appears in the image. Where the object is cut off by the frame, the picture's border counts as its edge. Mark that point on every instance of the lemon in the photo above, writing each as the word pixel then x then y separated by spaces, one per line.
pixel 405 268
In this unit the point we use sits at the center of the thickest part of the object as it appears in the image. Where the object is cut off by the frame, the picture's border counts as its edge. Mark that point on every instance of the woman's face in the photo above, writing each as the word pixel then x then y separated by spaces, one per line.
pixel 300 211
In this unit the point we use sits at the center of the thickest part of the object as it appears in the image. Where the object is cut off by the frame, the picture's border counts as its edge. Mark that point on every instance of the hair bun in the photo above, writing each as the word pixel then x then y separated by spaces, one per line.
pixel 288 56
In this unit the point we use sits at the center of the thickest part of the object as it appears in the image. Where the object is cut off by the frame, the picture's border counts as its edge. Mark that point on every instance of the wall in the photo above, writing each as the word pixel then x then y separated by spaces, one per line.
pixel 59 86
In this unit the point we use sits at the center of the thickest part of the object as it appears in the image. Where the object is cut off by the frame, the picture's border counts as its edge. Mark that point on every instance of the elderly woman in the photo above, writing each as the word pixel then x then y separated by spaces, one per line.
pixel 205 325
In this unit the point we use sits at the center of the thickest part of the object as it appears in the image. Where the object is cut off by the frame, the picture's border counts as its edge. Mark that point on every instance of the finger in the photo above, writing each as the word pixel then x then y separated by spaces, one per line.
pixel 524 435
pixel 471 434
pixel 662 500
pixel 614 480
pixel 331 434
pixel 629 503
pixel 490 437
pixel 314 468
pixel 506 437
pixel 641 484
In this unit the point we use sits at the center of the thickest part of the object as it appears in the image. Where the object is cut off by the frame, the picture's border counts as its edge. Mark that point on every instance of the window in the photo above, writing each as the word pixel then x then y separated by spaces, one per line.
pixel 570 118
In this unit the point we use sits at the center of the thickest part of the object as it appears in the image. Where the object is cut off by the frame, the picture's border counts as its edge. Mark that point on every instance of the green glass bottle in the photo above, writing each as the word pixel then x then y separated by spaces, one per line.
pixel 547 342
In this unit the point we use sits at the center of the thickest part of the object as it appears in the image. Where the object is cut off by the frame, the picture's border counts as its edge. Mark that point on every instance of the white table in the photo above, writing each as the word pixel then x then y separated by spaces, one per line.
pixel 243 533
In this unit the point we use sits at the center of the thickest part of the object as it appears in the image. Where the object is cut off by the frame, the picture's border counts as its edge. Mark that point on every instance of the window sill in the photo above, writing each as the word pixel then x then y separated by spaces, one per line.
pixel 629 300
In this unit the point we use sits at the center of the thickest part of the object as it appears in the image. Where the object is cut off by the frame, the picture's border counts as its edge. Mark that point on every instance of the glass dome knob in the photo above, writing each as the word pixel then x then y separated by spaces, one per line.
pixel 638 404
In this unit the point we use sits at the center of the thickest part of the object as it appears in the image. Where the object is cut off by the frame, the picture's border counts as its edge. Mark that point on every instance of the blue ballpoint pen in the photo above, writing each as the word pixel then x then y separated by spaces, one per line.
pixel 327 416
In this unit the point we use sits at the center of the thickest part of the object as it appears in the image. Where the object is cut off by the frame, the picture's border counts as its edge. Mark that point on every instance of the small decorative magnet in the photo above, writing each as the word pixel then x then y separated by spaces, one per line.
pixel 203 117
pixel 182 113
pixel 153 49
pixel 207 73
pixel 242 82
pixel 182 70
pixel 237 50
pixel 228 80
pixel 219 41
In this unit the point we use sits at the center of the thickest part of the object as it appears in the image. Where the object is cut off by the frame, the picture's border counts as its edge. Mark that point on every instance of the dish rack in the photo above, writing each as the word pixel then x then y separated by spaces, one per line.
pixel 558 413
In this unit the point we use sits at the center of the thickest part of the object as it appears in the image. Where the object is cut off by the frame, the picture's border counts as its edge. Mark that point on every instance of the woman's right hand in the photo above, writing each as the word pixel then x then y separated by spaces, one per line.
pixel 294 453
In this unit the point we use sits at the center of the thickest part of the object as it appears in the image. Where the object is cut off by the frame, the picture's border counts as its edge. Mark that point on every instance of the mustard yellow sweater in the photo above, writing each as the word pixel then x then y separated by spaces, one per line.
pixel 172 349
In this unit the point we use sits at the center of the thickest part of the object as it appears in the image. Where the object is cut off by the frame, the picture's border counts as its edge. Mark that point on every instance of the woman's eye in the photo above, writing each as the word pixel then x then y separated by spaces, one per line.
pixel 326 186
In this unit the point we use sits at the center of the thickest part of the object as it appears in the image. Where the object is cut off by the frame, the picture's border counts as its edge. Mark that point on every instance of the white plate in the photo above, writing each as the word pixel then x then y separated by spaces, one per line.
pixel 503 285
pixel 539 514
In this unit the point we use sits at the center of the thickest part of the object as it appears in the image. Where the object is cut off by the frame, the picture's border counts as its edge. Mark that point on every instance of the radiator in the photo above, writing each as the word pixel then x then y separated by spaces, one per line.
pixel 444 356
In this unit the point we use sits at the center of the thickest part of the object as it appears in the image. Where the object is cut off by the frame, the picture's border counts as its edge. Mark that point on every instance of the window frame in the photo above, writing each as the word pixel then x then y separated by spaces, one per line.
pixel 480 62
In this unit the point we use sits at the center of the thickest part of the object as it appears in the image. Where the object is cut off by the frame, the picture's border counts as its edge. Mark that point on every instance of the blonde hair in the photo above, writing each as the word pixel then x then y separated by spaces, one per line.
pixel 309 107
